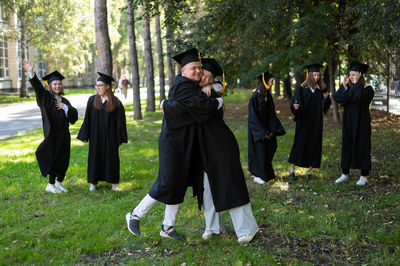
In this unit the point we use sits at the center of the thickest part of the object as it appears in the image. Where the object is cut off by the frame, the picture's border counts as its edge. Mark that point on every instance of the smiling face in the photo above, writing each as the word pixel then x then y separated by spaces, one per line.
pixel 206 78
pixel 354 75
pixel 101 88
pixel 56 87
pixel 193 71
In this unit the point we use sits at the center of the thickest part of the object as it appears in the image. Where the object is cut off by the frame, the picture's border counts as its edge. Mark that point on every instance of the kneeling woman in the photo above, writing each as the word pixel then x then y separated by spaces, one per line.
pixel 263 127
pixel 104 127
pixel 53 153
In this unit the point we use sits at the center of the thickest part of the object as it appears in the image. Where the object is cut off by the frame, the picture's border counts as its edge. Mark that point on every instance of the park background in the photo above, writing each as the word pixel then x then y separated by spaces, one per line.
pixel 312 222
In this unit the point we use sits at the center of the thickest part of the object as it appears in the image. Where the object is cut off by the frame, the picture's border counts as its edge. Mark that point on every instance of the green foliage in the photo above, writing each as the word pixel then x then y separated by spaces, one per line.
pixel 301 222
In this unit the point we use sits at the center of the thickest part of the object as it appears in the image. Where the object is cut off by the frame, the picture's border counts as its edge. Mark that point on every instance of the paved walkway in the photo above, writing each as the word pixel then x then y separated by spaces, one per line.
pixel 21 117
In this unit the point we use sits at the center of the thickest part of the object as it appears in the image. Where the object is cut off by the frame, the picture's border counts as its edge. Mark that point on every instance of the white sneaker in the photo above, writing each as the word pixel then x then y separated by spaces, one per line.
pixel 342 178
pixel 93 187
pixel 60 187
pixel 362 181
pixel 246 238
pixel 115 187
pixel 52 189
pixel 207 234
pixel 258 180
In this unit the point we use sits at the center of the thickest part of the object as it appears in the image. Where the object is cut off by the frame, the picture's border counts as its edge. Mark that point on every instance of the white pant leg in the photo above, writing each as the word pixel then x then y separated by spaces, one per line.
pixel 210 215
pixel 170 214
pixel 144 206
pixel 243 220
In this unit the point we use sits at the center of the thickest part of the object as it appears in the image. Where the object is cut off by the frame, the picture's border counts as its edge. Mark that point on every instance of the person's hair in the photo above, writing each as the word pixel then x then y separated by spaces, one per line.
pixel 51 90
pixel 262 95
pixel 361 80
pixel 112 102
pixel 310 83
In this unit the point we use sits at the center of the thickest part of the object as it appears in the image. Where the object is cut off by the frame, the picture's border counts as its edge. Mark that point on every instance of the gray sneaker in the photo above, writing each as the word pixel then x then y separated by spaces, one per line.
pixel 132 222
pixel 171 233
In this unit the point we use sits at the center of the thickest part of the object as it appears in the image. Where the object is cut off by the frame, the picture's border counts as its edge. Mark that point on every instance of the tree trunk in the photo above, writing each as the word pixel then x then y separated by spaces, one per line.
pixel 299 77
pixel 160 59
pixel 170 63
pixel 287 88
pixel 137 109
pixel 148 58
pixel 332 66
pixel 103 44
pixel 277 87
pixel 23 91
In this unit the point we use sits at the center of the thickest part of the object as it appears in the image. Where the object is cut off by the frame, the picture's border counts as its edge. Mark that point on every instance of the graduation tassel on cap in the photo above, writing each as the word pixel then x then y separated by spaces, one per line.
pixel 46 83
pixel 199 56
pixel 223 83
pixel 265 84
pixel 306 73
pixel 115 86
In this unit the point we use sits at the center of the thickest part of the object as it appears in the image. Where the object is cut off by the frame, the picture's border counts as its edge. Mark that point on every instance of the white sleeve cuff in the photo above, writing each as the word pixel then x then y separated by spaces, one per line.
pixel 31 74
pixel 220 102
pixel 65 108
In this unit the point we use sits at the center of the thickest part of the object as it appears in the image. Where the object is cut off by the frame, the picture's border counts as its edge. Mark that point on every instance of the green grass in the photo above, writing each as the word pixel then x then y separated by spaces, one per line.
pixel 14 98
pixel 313 222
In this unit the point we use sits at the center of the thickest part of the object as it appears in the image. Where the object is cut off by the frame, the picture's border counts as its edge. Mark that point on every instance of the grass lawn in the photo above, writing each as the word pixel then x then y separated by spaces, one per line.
pixel 314 222
pixel 11 99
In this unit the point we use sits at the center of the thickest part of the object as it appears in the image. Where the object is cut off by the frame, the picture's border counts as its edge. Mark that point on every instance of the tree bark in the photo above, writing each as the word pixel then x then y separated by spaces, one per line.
pixel 137 109
pixel 148 58
pixel 103 44
pixel 277 87
pixel 287 88
pixel 170 63
pixel 23 91
pixel 332 66
pixel 160 59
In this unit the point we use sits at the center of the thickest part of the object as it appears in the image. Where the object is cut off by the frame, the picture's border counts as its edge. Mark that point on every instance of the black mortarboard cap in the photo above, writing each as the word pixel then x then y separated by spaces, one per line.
pixel 267 76
pixel 191 55
pixel 314 67
pixel 212 65
pixel 53 76
pixel 360 67
pixel 105 78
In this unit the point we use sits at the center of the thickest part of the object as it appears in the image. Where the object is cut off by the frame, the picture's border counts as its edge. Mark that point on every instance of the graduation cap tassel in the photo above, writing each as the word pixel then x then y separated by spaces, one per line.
pixel 306 73
pixel 46 83
pixel 199 56
pixel 115 86
pixel 223 83
pixel 265 84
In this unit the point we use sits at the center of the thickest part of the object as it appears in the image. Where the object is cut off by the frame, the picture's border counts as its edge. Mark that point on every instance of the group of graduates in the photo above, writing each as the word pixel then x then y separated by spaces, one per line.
pixel 196 148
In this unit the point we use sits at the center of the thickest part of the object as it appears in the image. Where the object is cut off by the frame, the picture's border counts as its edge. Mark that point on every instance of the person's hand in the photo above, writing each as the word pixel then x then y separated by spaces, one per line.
pixel 265 137
pixel 296 105
pixel 346 80
pixel 271 135
pixel 60 105
pixel 206 90
pixel 27 65
pixel 326 95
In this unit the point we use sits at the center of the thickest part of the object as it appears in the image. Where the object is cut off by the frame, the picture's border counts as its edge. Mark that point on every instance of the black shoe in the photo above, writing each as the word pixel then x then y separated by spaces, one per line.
pixel 292 176
pixel 171 233
pixel 310 175
pixel 132 223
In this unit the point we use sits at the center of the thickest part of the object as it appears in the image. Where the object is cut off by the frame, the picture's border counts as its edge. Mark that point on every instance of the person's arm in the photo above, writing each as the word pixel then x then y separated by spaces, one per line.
pixel 326 101
pixel 296 103
pixel 70 112
pixel 257 129
pixel 121 124
pixel 84 132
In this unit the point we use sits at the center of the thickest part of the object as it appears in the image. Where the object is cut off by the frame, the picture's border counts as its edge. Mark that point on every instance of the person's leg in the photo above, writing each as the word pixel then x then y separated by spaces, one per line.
pixel 244 222
pixel 52 178
pixel 167 228
pixel 344 177
pixel 59 185
pixel 50 186
pixel 210 215
pixel 292 175
pixel 144 206
pixel 363 178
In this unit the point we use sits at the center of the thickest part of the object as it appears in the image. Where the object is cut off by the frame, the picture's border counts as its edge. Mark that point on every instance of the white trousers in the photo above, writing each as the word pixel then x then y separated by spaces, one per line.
pixel 242 216
pixel 148 202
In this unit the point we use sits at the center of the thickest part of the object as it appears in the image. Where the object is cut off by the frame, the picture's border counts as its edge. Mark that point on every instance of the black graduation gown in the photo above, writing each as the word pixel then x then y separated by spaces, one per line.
pixel 356 127
pixel 221 160
pixel 180 163
pixel 53 153
pixel 105 131
pixel 307 147
pixel 261 123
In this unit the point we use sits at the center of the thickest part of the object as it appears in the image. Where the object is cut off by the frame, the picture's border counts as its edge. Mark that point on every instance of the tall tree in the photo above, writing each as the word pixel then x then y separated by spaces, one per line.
pixel 148 57
pixel 103 44
pixel 137 109
pixel 160 58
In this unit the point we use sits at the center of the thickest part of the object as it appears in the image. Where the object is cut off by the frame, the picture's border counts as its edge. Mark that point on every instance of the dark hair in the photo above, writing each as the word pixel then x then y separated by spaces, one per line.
pixel 262 95
pixel 112 104
pixel 310 83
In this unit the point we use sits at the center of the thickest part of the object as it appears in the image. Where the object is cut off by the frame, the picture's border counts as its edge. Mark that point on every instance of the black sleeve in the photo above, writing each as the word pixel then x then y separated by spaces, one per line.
pixel 84 132
pixel 43 97
pixel 297 97
pixel 256 127
pixel 121 124
pixel 72 112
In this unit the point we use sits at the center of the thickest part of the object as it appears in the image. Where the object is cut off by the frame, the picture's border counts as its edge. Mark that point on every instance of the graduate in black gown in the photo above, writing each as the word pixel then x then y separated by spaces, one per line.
pixel 104 127
pixel 263 128
pixel 309 103
pixel 224 182
pixel 355 96
pixel 180 164
pixel 57 113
